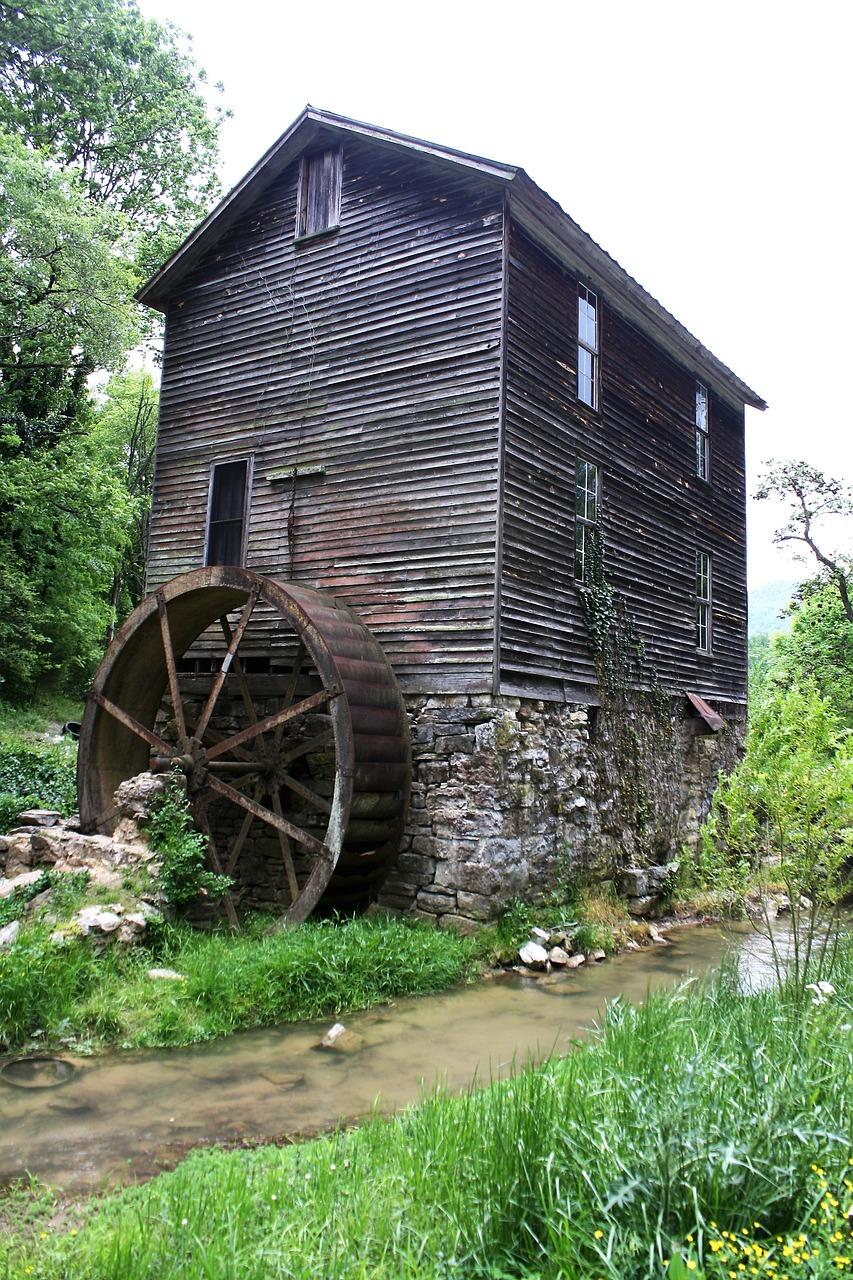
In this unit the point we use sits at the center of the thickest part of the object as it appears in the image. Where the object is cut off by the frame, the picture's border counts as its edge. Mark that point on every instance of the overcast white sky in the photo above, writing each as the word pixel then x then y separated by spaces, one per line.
pixel 706 146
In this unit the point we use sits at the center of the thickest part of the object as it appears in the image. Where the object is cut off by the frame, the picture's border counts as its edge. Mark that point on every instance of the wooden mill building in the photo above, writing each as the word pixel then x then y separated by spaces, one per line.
pixel 405 376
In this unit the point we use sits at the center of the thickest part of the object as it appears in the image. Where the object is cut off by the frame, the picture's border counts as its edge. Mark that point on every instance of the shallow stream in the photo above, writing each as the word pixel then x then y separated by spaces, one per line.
pixel 127 1115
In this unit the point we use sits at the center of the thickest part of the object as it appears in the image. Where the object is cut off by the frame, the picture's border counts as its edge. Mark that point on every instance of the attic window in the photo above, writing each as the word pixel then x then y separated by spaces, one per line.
pixel 319 205
pixel 587 346
pixel 702 468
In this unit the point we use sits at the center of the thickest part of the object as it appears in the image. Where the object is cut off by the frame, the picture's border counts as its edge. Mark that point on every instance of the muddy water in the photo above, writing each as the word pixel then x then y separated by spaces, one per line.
pixel 127 1115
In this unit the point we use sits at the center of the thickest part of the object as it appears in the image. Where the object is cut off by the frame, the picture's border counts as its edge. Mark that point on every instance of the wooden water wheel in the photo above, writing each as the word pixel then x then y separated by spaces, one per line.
pixel 322 761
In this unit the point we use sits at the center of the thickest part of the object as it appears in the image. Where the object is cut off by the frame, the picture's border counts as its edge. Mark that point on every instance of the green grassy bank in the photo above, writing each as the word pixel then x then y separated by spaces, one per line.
pixel 706 1133
pixel 70 994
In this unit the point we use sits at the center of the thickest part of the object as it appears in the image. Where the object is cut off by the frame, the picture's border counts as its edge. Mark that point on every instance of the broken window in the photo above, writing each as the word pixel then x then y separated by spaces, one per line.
pixel 702 438
pixel 319 204
pixel 586 517
pixel 703 601
pixel 587 346
pixel 226 520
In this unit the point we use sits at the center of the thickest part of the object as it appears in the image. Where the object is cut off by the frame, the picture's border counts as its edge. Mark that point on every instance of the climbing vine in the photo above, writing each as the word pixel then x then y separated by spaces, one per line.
pixel 638 765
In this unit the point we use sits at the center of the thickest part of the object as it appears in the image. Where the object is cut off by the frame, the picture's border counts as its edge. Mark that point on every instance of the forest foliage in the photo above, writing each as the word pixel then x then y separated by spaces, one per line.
pixel 108 155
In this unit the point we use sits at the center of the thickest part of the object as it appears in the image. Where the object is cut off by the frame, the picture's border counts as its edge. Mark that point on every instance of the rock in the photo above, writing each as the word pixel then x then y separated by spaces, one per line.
pixel 656 936
pixel 107 921
pixel 39 901
pixel 597 956
pixel 558 956
pixel 40 818
pixel 533 955
pixel 341 1039
pixel 575 962
pixel 542 934
pixel 643 906
pixel 9 933
pixel 635 882
pixel 166 975
pixel 8 887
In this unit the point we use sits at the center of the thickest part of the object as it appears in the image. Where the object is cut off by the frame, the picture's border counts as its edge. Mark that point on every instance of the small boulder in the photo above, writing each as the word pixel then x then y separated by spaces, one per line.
pixel 542 934
pixel 8 887
pixel 597 956
pixel 533 955
pixel 9 933
pixel 107 921
pixel 558 956
pixel 40 818
pixel 643 906
pixel 341 1039
pixel 166 975
pixel 575 962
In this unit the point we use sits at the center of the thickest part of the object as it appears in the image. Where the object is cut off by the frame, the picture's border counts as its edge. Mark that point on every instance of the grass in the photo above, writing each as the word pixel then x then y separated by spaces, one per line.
pixel 40 716
pixel 69 994
pixel 702 1134
pixel 36 772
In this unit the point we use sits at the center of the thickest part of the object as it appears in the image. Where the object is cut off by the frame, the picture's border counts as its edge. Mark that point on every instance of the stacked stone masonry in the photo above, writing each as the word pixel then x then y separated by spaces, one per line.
pixel 509 795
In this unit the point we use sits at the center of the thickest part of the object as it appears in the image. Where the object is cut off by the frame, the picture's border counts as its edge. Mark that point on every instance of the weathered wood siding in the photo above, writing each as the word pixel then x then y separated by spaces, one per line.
pixel 656 512
pixel 373 352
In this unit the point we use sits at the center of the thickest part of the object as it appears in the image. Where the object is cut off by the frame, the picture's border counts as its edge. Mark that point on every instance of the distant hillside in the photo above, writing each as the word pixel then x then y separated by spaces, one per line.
pixel 765 605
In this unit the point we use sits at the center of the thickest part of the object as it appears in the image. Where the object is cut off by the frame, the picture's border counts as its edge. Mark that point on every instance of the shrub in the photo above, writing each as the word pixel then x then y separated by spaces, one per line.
pixel 181 850
pixel 36 772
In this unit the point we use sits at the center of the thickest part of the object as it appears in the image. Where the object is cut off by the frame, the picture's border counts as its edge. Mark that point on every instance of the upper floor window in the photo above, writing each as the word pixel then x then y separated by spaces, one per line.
pixel 587 346
pixel 319 203
pixel 227 511
pixel 702 452
pixel 703 601
pixel 587 504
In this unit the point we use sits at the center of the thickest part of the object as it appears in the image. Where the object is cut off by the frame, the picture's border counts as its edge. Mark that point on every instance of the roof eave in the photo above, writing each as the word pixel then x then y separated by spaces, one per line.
pixel 549 224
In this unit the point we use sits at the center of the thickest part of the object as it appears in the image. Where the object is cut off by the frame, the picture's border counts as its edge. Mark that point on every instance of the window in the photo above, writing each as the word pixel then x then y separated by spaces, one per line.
pixel 702 459
pixel 587 346
pixel 703 601
pixel 226 519
pixel 319 204
pixel 586 517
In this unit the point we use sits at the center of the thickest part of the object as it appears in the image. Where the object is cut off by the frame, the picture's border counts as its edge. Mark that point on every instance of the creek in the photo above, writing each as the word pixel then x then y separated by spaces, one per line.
pixel 125 1116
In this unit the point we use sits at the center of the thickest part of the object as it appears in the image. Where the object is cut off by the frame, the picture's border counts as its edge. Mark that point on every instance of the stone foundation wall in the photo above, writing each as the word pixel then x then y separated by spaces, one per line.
pixel 511 794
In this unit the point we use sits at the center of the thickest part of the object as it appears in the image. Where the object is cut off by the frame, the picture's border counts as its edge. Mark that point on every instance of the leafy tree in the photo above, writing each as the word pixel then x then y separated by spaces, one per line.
pixel 124 434
pixel 819 646
pixel 65 306
pixel 812 495
pixel 116 99
pixel 63 518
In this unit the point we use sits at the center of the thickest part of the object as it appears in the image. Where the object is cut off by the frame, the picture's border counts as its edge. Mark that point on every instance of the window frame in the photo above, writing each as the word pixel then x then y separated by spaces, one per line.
pixel 702 434
pixel 249 459
pixel 302 233
pixel 583 521
pixel 704 616
pixel 584 294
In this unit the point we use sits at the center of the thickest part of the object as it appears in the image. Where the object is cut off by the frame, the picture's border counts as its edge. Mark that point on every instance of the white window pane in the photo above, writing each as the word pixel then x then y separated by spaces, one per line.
pixel 701 407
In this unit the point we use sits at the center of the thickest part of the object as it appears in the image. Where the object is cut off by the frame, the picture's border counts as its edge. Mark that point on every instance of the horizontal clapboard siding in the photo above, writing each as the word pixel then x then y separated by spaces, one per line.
pixel 373 352
pixel 656 513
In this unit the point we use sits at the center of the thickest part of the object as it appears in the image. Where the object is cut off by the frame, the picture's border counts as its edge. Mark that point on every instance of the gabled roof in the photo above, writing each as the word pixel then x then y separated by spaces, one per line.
pixel 533 209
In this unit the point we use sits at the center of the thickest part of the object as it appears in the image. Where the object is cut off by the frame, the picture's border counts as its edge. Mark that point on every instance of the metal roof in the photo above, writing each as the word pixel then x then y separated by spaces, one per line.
pixel 534 210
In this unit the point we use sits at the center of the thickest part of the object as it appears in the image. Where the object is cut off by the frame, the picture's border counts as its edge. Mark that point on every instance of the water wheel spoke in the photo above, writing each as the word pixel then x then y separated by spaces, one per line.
pixel 307 745
pixel 171 668
pixel 290 691
pixel 269 816
pixel 245 691
pixel 319 802
pixel 200 814
pixel 240 752
pixel 132 724
pixel 237 847
pixel 271 722
pixel 219 680
pixel 284 844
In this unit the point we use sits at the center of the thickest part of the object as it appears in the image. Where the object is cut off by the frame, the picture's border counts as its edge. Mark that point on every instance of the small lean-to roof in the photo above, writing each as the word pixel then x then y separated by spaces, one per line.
pixel 533 209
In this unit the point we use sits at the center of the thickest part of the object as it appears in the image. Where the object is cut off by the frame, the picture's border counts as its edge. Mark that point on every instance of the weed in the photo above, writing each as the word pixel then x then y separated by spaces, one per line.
pixel 181 850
